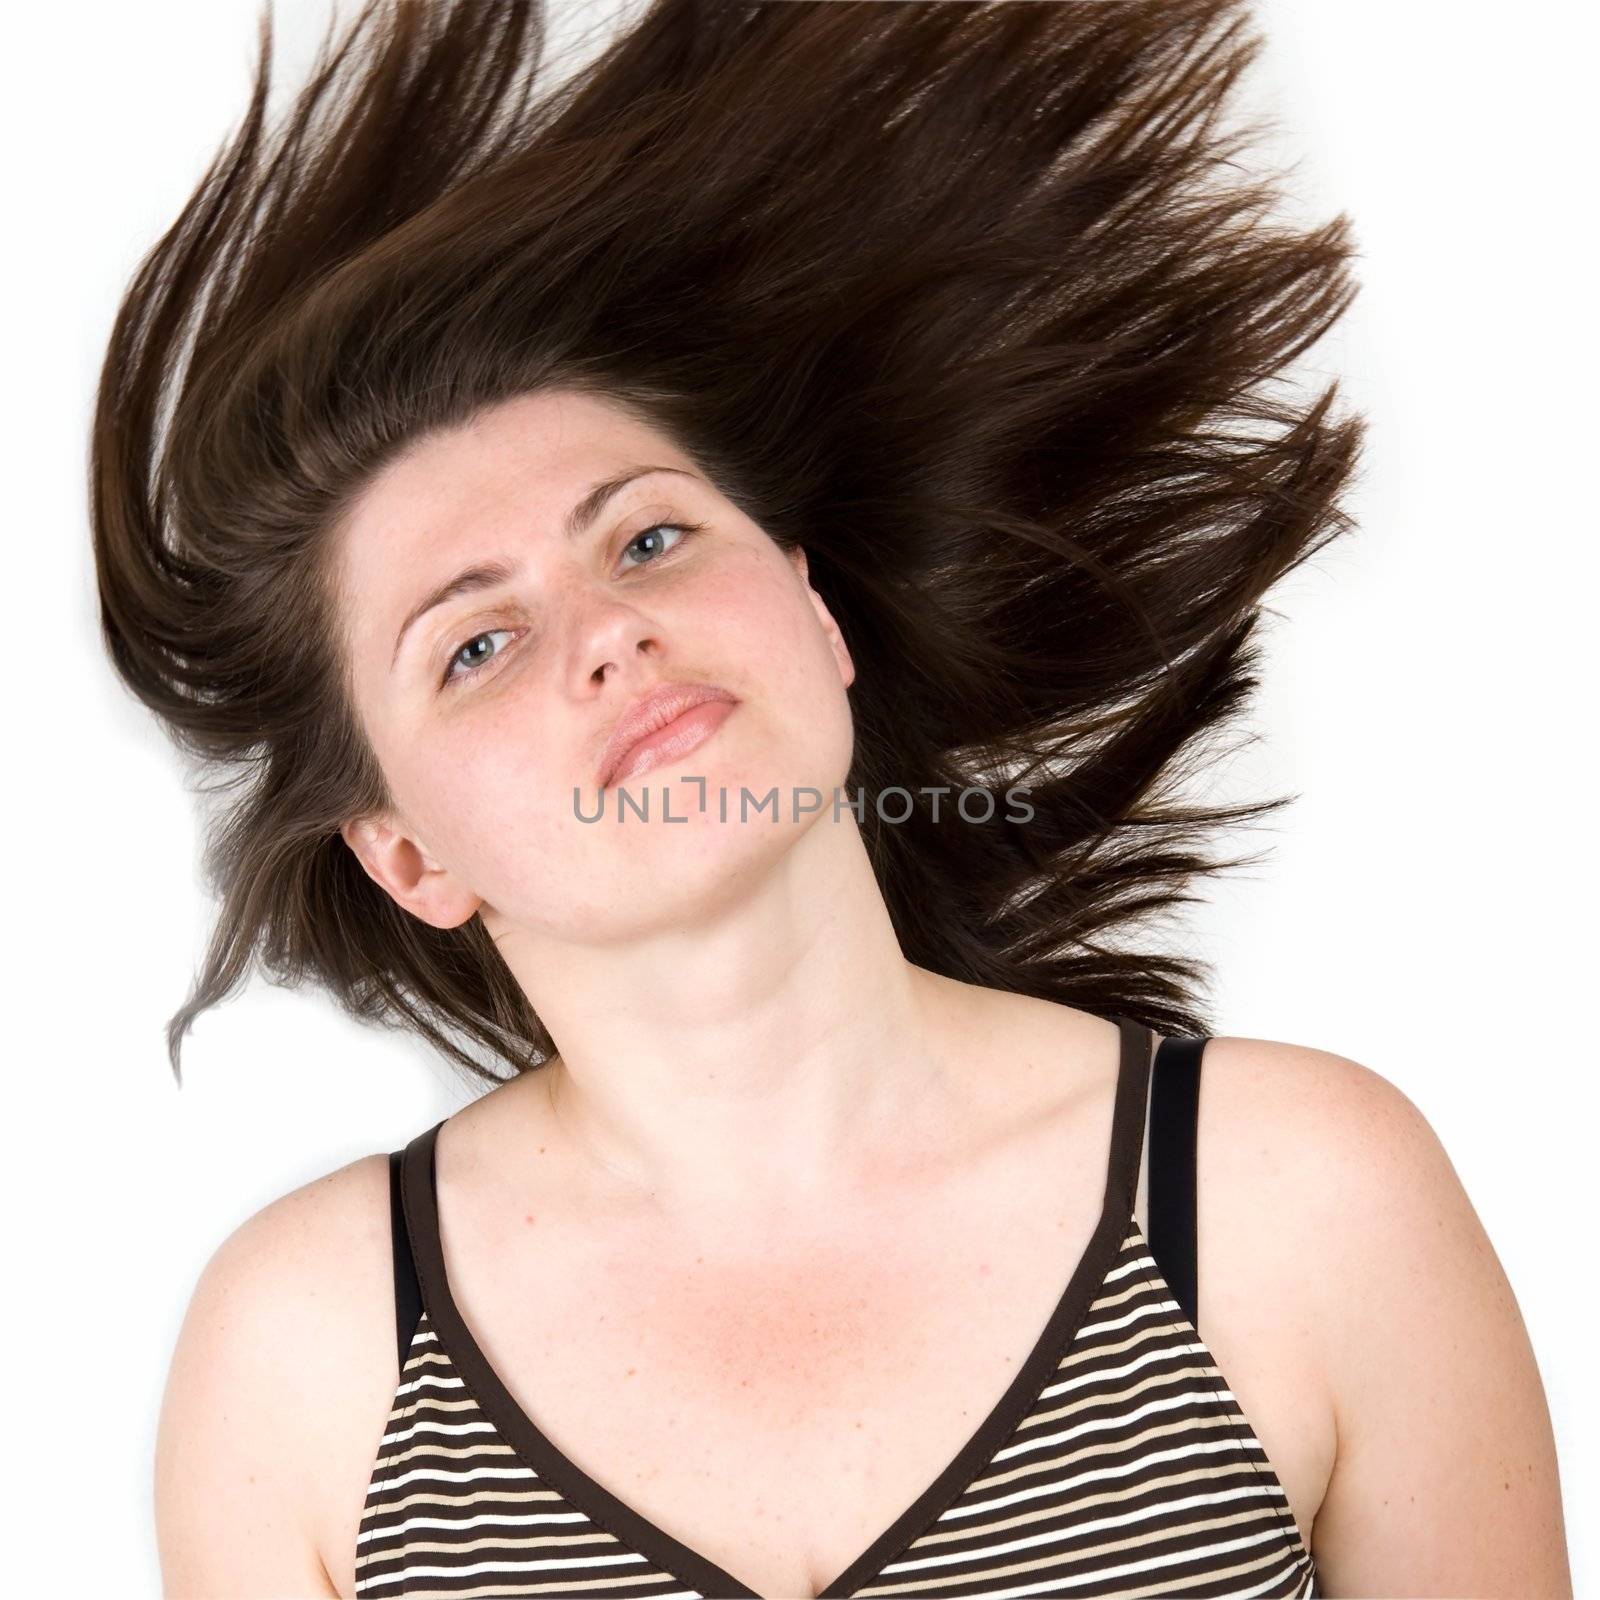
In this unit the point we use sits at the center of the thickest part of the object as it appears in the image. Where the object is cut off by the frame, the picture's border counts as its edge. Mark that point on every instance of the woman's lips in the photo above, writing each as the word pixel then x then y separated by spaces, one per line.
pixel 676 739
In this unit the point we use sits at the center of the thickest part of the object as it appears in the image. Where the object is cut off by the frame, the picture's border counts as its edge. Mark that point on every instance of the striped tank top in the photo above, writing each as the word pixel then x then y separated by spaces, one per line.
pixel 1117 1462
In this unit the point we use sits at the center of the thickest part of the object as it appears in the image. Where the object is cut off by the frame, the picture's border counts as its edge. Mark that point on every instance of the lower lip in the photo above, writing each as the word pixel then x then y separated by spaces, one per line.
pixel 680 736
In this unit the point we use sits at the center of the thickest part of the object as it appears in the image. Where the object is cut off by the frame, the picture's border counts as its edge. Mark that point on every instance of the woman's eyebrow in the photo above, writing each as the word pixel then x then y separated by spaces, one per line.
pixel 486 574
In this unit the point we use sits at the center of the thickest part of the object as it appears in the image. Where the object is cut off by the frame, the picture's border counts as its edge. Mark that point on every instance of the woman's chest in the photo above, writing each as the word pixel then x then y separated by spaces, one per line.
pixel 779 1418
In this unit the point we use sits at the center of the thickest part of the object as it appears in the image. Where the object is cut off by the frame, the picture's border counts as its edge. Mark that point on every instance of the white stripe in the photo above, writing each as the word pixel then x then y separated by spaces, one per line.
pixel 1145 1308
pixel 429 1380
pixel 493 1518
pixel 1121 1519
pixel 469 1475
pixel 428 1424
pixel 1127 1569
pixel 1077 1430
pixel 1095 1475
pixel 1143 1260
pixel 1098 1375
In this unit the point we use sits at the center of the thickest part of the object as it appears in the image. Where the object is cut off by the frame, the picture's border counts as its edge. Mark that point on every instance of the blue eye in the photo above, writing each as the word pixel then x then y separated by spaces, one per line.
pixel 661 527
pixel 456 672
pixel 451 675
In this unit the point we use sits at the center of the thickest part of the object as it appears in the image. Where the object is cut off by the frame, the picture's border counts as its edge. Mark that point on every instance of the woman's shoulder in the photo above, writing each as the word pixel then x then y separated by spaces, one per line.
pixel 283 1373
pixel 1444 1476
pixel 1326 1106
pixel 1307 1160
pixel 1323 1144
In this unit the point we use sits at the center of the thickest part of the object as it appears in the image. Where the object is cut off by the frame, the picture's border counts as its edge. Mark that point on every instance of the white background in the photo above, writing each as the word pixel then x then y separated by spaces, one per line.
pixel 1427 908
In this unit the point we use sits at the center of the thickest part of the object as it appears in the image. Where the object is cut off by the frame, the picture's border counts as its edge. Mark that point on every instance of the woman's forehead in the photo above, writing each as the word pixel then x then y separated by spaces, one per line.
pixel 534 454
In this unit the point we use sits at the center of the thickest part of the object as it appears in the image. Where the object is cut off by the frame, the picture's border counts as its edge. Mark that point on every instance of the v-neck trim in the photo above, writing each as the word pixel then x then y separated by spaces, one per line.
pixel 419 1196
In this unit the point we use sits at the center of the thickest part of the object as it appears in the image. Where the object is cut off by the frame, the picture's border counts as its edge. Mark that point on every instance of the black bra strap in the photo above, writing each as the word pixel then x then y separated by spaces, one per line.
pixel 1174 1108
pixel 407 1292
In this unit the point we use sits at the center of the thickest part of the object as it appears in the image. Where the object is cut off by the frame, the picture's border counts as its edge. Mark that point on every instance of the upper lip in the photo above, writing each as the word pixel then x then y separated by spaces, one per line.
pixel 652 710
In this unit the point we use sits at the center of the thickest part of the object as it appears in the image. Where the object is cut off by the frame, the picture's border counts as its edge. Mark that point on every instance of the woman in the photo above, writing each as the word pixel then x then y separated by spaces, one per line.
pixel 703 579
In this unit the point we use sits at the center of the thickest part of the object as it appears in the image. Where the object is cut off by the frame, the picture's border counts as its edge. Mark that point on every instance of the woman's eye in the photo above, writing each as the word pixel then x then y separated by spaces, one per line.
pixel 658 528
pixel 451 675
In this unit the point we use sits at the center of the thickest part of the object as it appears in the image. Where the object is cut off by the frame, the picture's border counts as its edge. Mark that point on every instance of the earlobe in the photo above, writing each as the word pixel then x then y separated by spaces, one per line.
pixel 841 651
pixel 847 667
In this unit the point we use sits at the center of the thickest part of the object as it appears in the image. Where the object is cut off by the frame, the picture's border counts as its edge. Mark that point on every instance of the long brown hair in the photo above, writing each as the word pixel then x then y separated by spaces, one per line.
pixel 974 302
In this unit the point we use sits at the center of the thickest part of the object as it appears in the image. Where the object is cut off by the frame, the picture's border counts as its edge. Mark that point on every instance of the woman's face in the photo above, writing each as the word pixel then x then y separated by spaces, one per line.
pixel 488 707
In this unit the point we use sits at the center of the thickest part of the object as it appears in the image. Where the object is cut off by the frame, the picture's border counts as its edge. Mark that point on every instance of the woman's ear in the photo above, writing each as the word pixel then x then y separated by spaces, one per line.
pixel 403 869
pixel 841 651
